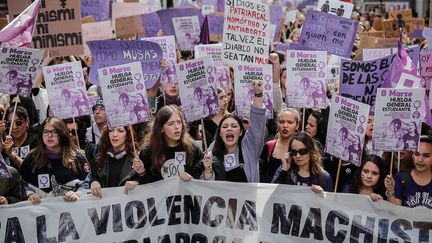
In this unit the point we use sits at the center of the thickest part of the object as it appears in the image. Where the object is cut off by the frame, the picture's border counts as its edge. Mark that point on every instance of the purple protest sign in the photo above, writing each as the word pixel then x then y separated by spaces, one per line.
pixel 18 67
pixel 168 45
pixel 99 9
pixel 398 118
pixel 281 47
pixel 307 71
pixel 4 172
pixel 360 80
pixel 213 50
pixel 346 129
pixel 221 76
pixel 197 91
pixel 243 77
pixel 215 24
pixel 187 32
pixel 113 52
pixel 327 32
pixel 168 14
pixel 66 90
pixel 151 23
pixel 426 71
pixel 124 94
pixel 276 16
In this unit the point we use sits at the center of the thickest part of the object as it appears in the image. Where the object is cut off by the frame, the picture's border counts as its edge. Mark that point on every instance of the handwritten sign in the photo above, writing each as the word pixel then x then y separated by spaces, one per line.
pixel 327 32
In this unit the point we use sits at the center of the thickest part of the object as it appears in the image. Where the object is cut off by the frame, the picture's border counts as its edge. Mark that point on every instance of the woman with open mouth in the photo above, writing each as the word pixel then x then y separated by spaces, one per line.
pixel 236 151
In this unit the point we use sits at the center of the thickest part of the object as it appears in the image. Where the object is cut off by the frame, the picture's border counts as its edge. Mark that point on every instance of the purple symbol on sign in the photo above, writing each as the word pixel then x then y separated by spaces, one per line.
pixel 408 83
pixel 267 78
pixel 171 55
pixel 140 86
pixel 35 61
pixel 48 70
pixel 416 115
pixel 230 160
pixel 179 158
pixel 417 104
pixel 267 86
pixel 104 72
pixel 240 68
pixel 362 119
pixel 211 79
pixel 321 74
pixel 170 47
pixel 209 70
pixel 137 77
pixel 321 65
pixel 78 75
pixel 360 129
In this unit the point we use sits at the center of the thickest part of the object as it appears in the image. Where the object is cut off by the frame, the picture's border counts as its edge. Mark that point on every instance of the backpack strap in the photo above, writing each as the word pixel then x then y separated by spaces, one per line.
pixel 270 147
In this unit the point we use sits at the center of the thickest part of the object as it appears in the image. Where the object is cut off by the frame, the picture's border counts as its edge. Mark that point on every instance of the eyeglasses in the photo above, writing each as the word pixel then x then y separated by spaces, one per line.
pixel 302 151
pixel 52 133
pixel 18 123
pixel 72 132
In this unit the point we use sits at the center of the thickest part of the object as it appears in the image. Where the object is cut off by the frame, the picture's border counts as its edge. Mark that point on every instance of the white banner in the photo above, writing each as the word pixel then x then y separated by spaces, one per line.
pixel 199 211
pixel 187 30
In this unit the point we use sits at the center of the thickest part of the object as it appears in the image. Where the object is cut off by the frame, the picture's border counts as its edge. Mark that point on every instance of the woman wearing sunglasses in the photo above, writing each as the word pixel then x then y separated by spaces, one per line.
pixel 303 166
pixel 55 167
pixel 18 145
pixel 116 162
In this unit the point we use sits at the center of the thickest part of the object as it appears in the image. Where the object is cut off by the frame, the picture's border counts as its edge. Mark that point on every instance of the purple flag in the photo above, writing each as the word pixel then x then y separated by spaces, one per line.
pixel 403 73
pixel 204 35
pixel 18 33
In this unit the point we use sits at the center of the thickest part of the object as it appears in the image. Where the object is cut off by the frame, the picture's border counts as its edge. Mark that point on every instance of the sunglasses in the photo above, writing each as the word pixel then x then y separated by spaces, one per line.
pixel 302 151
pixel 18 123
pixel 72 132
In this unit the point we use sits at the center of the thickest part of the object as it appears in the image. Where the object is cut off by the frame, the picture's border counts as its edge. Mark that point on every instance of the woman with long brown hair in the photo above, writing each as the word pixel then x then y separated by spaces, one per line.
pixel 116 163
pixel 56 167
pixel 169 150
pixel 303 166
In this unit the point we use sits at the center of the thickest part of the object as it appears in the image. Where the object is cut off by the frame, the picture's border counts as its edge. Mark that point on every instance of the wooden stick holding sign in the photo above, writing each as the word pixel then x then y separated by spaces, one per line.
pixel 337 175
pixel 13 117
pixel 133 140
pixel 76 132
pixel 391 163
pixel 204 136
pixel 303 120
